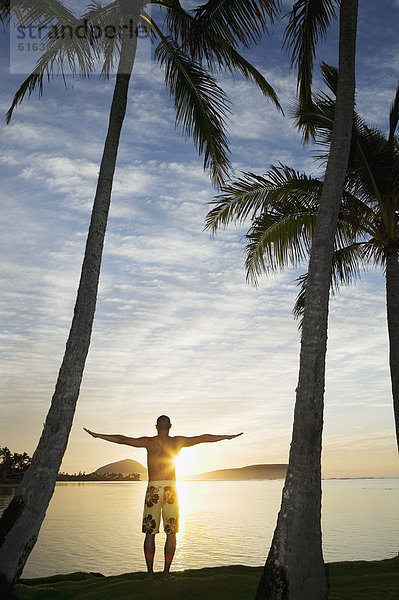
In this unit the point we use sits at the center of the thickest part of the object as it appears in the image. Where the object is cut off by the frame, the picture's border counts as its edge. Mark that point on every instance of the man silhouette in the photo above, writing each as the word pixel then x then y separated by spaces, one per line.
pixel 161 494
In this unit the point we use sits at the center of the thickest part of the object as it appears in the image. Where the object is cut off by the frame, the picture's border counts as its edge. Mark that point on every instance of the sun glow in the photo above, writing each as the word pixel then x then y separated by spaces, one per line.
pixel 189 462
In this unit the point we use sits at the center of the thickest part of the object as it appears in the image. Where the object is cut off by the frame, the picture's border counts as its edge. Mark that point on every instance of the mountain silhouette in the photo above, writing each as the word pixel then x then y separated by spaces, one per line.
pixel 125 467
pixel 263 471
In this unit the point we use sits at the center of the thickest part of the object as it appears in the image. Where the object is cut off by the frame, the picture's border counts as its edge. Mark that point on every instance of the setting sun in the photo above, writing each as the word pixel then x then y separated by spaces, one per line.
pixel 189 462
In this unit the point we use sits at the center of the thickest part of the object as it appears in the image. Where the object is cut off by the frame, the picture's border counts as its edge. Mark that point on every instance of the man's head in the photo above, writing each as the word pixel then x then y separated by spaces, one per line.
pixel 163 423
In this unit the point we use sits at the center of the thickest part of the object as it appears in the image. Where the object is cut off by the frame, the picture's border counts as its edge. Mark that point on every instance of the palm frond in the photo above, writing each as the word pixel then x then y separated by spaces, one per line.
pixel 232 60
pixel 308 22
pixel 4 11
pixel 100 18
pixel 371 171
pixel 282 206
pixel 206 44
pixel 394 117
pixel 209 44
pixel 77 53
pixel 348 263
pixel 315 118
pixel 356 215
pixel 236 21
pixel 244 197
pixel 374 252
pixel 276 241
pixel 98 13
pixel 201 105
pixel 293 187
pixel 179 22
pixel 110 49
pixel 220 54
pixel 110 17
pixel 41 12
pixel 330 77
pixel 74 53
pixel 369 145
pixel 299 306
pixel 250 194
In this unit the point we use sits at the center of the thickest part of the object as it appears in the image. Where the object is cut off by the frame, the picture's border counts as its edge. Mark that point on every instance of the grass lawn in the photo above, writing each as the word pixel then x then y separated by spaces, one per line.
pixel 376 580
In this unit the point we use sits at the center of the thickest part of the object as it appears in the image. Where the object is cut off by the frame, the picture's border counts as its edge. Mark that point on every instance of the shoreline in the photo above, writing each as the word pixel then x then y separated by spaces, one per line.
pixel 16 483
pixel 350 580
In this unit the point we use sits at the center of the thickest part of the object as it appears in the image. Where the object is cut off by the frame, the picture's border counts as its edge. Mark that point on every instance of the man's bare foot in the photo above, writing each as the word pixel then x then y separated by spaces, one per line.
pixel 150 577
pixel 168 577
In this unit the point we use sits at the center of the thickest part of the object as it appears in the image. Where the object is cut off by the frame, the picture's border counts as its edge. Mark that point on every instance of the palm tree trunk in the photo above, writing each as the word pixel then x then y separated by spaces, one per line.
pixel 392 291
pixel 22 519
pixel 294 569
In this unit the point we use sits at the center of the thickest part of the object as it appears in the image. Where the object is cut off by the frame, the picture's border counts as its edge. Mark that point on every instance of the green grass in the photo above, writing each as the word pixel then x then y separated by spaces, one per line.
pixel 377 580
pixel 361 580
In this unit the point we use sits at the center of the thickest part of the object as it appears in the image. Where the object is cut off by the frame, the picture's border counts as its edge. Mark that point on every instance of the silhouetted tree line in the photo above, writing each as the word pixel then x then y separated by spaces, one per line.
pixel 98 477
pixel 14 465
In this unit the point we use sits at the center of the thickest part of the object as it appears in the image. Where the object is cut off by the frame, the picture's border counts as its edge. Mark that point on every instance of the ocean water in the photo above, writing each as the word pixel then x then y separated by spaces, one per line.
pixel 96 526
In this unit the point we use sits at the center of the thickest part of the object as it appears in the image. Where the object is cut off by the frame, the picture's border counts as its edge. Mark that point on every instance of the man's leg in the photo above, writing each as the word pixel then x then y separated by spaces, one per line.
pixel 170 547
pixel 151 520
pixel 149 553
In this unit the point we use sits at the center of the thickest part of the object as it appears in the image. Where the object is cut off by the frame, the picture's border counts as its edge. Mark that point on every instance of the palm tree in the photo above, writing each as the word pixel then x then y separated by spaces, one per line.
pixel 294 568
pixel 284 205
pixel 209 35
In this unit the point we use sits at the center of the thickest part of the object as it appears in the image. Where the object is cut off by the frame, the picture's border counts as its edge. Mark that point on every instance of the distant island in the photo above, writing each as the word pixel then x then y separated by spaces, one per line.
pixel 122 470
pixel 125 467
pixel 263 471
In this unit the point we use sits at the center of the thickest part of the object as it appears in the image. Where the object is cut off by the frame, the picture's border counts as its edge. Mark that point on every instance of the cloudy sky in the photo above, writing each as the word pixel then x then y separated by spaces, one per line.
pixel 177 329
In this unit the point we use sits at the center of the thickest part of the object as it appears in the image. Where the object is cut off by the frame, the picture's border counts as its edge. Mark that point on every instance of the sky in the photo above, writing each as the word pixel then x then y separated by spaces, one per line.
pixel 178 330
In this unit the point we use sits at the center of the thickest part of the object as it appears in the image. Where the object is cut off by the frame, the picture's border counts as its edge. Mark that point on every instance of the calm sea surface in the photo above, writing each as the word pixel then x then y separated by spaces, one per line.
pixel 95 526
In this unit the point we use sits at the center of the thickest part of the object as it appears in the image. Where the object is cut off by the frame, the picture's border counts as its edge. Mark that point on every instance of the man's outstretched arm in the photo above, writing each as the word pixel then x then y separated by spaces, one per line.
pixel 205 438
pixel 140 442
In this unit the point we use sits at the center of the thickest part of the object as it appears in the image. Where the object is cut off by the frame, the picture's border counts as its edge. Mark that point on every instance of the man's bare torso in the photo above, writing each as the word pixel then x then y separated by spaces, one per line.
pixel 162 452
pixel 162 449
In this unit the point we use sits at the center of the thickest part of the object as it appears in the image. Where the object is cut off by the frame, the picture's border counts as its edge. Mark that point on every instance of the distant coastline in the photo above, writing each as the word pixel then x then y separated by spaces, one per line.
pixel 14 484
pixel 262 471
pixel 131 470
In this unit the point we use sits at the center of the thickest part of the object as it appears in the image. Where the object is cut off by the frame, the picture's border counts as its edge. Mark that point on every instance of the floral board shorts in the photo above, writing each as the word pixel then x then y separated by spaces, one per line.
pixel 161 497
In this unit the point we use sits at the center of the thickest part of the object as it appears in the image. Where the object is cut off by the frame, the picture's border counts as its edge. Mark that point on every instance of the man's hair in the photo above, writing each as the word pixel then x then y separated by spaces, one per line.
pixel 163 422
